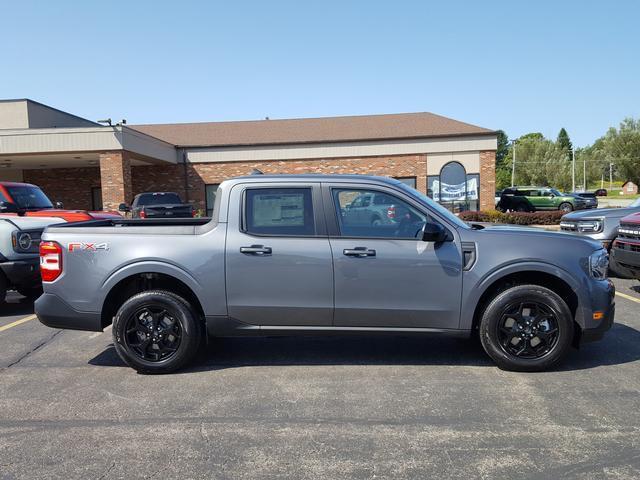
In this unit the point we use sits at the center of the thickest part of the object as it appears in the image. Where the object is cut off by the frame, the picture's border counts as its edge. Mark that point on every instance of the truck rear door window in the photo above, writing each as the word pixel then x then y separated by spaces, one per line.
pixel 279 211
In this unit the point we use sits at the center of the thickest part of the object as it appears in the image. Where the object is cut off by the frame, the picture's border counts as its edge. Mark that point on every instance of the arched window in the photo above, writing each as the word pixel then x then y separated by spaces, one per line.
pixel 454 189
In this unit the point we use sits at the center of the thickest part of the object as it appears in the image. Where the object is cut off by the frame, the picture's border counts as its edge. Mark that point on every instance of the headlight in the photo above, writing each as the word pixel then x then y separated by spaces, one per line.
pixel 599 264
pixel 590 226
pixel 26 241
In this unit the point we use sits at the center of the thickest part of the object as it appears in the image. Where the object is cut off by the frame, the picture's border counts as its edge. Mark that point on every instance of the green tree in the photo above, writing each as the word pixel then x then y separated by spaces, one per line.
pixel 564 142
pixel 503 147
pixel 621 147
pixel 539 161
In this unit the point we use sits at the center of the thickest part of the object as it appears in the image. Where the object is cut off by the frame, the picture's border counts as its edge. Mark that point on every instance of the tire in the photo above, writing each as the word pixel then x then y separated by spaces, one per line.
pixel 521 207
pixel 565 207
pixel 501 340
pixel 30 292
pixel 171 344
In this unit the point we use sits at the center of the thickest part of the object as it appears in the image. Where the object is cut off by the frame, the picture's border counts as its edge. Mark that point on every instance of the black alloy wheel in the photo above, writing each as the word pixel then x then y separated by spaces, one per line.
pixel 157 331
pixel 153 333
pixel 528 330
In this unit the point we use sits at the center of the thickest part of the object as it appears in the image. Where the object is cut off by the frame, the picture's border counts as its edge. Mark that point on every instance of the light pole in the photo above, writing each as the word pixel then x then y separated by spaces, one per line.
pixel 513 164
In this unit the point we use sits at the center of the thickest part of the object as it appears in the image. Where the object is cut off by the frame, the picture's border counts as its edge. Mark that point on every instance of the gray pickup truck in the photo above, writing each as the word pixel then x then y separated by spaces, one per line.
pixel 282 257
pixel 601 225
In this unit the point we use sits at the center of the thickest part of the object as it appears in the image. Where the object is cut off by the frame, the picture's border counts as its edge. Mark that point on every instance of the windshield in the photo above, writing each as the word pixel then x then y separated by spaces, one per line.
pixel 30 198
pixel 636 203
pixel 555 192
pixel 158 199
pixel 443 212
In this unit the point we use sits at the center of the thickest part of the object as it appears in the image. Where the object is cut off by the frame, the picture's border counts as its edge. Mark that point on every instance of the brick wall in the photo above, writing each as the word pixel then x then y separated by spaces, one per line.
pixel 71 186
pixel 200 174
pixel 158 178
pixel 115 175
pixel 487 179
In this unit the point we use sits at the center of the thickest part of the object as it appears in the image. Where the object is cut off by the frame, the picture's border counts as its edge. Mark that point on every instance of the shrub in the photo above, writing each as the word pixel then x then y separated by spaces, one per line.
pixel 513 218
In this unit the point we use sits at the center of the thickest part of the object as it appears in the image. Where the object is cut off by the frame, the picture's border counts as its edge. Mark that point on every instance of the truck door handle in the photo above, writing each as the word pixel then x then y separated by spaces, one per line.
pixel 256 250
pixel 359 252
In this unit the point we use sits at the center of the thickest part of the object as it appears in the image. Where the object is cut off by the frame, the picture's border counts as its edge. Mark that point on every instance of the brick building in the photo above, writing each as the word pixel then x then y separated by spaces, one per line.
pixel 86 165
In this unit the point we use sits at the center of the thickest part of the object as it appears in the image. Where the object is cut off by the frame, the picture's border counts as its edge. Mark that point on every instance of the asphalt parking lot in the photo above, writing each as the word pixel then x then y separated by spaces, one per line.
pixel 333 407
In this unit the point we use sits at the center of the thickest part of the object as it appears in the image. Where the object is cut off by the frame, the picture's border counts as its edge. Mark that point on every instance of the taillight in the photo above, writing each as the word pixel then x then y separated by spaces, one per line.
pixel 193 212
pixel 142 214
pixel 50 261
pixel 391 212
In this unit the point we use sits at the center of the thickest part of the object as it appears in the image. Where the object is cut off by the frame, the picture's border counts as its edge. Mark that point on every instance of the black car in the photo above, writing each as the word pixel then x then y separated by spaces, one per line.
pixel 158 205
pixel 590 198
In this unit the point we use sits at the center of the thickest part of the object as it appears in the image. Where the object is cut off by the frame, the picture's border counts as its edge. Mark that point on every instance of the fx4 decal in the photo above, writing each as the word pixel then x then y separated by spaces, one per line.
pixel 87 247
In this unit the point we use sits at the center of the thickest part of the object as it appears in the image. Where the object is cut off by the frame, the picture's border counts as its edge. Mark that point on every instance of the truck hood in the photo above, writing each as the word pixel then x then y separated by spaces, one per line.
pixel 72 215
pixel 600 212
pixel 532 233
pixel 29 223
pixel 633 218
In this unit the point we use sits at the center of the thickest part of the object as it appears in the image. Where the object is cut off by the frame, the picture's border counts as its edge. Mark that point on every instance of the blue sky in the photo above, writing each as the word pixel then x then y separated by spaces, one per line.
pixel 519 66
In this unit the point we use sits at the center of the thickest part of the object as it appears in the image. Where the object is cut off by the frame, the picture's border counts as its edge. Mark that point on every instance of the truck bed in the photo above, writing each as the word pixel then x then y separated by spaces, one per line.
pixel 155 226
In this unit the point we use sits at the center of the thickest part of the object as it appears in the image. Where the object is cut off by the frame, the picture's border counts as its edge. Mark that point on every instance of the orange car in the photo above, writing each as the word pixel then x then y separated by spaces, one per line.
pixel 29 200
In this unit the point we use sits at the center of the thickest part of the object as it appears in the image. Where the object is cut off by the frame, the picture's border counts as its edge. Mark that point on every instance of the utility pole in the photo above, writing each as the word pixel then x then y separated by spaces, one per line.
pixel 584 172
pixel 573 170
pixel 610 175
pixel 513 164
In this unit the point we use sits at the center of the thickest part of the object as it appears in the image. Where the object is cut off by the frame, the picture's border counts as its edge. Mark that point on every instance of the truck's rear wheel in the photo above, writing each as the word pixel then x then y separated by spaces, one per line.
pixel 526 328
pixel 156 332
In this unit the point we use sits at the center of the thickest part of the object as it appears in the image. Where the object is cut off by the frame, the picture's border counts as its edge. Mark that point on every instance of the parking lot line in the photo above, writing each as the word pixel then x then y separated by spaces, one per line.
pixel 17 322
pixel 628 297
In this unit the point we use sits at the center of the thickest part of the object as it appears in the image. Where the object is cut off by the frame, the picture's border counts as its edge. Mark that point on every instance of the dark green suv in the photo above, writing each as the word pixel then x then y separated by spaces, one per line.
pixel 530 199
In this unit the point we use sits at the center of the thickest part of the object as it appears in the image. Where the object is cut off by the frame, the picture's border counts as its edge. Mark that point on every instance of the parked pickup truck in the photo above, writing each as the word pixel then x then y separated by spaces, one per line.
pixel 19 260
pixel 626 247
pixel 24 199
pixel 601 225
pixel 158 205
pixel 279 256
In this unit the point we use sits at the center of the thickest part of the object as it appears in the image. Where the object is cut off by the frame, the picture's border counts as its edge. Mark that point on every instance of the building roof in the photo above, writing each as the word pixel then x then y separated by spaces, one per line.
pixel 311 130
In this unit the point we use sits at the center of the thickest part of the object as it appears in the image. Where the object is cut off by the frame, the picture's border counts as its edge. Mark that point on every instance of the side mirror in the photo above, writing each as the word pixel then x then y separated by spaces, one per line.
pixel 434 232
pixel 8 207
pixel 58 205
pixel 123 207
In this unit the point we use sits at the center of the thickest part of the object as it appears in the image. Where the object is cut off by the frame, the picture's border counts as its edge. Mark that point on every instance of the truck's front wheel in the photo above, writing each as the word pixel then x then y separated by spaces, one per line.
pixel 526 328
pixel 156 332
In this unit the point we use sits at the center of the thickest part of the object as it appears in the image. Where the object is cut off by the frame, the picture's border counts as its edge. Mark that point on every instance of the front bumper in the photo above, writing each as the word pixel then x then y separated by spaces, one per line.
pixel 22 273
pixel 627 256
pixel 602 300
pixel 52 311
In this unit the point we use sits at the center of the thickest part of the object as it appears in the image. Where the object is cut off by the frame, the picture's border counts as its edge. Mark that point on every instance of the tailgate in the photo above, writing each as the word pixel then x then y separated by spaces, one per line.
pixel 174 211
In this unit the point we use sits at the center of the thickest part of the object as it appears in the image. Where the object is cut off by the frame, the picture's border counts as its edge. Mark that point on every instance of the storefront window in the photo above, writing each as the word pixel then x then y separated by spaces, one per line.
pixel 409 181
pixel 454 189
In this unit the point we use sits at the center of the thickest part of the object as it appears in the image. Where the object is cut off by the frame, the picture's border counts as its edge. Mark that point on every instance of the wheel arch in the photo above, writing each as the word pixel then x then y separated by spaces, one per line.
pixel 147 276
pixel 557 281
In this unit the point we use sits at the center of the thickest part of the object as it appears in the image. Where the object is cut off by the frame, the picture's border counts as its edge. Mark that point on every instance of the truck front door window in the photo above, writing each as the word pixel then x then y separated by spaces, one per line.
pixel 386 217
